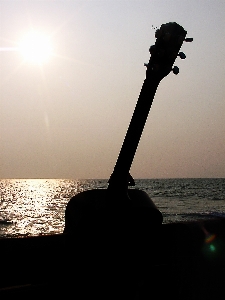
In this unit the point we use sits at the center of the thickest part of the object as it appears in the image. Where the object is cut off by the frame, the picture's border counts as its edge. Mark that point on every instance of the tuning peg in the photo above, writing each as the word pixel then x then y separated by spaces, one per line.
pixel 175 70
pixel 189 40
pixel 152 49
pixel 182 55
pixel 158 33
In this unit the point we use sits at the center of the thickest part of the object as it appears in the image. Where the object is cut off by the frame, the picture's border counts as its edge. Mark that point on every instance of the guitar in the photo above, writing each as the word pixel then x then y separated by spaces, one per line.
pixel 118 208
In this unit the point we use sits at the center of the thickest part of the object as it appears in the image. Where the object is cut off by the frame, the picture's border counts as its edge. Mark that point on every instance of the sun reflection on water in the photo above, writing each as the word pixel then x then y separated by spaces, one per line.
pixel 35 206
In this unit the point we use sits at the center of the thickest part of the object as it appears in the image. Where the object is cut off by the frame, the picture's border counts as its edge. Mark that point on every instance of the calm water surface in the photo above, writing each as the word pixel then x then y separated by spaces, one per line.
pixel 37 206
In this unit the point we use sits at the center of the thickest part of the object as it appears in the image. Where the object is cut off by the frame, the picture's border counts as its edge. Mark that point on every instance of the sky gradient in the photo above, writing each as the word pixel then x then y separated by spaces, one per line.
pixel 68 117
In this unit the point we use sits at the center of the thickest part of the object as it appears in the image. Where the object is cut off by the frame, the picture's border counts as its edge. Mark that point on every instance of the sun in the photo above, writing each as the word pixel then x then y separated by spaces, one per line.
pixel 35 47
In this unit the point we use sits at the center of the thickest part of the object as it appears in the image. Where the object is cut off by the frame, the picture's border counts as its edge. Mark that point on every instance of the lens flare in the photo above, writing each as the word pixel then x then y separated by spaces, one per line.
pixel 212 247
pixel 209 238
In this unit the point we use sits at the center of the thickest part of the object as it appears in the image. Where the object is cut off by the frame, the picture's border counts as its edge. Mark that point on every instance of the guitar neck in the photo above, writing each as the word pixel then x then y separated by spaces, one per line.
pixel 169 39
pixel 119 177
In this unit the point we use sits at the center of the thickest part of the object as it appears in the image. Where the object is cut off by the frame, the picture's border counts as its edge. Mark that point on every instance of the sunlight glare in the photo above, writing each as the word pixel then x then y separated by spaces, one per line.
pixel 35 47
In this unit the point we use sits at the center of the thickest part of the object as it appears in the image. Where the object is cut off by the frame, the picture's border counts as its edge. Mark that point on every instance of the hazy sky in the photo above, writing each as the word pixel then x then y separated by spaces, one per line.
pixel 67 118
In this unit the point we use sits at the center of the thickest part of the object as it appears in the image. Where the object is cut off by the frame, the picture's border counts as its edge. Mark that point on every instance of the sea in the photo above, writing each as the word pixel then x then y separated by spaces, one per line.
pixel 31 207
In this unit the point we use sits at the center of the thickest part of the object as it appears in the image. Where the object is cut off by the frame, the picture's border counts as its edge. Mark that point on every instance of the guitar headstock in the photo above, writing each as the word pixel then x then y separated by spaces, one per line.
pixel 169 39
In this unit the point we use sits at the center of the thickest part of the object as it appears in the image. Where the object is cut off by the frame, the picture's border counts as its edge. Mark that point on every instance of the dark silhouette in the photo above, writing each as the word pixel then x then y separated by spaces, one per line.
pixel 120 220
